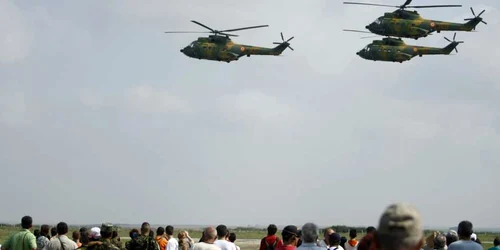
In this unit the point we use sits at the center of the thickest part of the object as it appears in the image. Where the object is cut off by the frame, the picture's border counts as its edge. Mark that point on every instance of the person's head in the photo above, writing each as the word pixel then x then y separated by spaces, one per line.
pixel 95 234
pixel 327 233
pixel 44 230
pixel 310 233
pixel 145 228
pixel 53 231
pixel 133 233
pixel 334 239
pixel 370 230
pixel 272 229
pixel 76 236
pixel 169 230
pixel 222 231
pixel 353 234
pixel 210 235
pixel 496 241
pixel 290 235
pixel 451 237
pixel 26 222
pixel 440 241
pixel 84 238
pixel 36 232
pixel 114 234
pixel 429 241
pixel 62 228
pixel 160 231
pixel 181 235
pixel 107 230
pixel 400 228
pixel 343 240
pixel 465 230
pixel 232 237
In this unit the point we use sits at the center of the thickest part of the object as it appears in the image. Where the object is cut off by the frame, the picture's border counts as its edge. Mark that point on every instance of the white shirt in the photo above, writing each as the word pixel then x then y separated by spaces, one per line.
pixel 205 246
pixel 225 245
pixel 349 247
pixel 339 247
pixel 172 244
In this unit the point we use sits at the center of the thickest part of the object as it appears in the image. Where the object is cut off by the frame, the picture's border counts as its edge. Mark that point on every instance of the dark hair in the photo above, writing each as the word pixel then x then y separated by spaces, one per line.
pixel 169 230
pixel 370 229
pixel 496 241
pixel 62 228
pixel 114 234
pixel 133 233
pixel 151 234
pixel 232 237
pixel 36 232
pixel 76 235
pixel 145 227
pixel 105 234
pixel 332 241
pixel 272 229
pixel 53 231
pixel 353 233
pixel 84 237
pixel 450 238
pixel 343 240
pixel 26 222
pixel 221 230
pixel 44 230
pixel 465 229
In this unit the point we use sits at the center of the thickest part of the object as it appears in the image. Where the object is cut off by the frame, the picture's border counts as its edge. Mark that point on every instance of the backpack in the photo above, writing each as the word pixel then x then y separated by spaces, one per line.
pixel 273 246
pixel 142 243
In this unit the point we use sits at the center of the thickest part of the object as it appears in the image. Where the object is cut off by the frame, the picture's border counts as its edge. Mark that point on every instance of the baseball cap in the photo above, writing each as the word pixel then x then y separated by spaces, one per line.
pixel 400 221
pixel 95 233
pixel 290 230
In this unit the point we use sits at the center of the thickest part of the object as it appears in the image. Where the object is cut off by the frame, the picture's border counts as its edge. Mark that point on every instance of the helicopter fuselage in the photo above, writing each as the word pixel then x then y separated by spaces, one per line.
pixel 218 48
pixel 409 24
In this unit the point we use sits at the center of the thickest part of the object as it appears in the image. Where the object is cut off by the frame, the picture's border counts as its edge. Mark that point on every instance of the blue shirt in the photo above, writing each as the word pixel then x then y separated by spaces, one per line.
pixel 310 246
pixel 494 248
pixel 465 245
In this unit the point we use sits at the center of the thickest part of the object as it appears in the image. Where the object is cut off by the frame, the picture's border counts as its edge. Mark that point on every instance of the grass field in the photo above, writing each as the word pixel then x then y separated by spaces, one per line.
pixel 247 239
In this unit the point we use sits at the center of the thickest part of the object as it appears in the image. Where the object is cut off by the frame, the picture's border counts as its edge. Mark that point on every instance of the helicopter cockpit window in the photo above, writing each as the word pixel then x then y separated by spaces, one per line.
pixel 192 44
pixel 378 21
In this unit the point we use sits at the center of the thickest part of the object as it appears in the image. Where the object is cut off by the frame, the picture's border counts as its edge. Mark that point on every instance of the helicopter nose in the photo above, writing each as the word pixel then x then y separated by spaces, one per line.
pixel 182 50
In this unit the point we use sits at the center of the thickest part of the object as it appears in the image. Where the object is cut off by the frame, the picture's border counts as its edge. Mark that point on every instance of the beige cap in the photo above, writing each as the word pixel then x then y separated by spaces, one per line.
pixel 400 224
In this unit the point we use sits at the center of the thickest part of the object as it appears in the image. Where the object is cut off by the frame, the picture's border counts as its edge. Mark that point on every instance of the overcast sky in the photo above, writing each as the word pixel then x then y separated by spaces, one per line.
pixel 103 119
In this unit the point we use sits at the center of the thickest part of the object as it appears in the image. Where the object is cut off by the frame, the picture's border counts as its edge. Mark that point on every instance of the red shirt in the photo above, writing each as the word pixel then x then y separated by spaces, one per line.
pixel 271 239
pixel 287 247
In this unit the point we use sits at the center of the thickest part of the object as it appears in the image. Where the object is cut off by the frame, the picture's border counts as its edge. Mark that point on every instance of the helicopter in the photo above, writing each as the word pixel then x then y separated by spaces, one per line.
pixel 396 50
pixel 219 47
pixel 410 24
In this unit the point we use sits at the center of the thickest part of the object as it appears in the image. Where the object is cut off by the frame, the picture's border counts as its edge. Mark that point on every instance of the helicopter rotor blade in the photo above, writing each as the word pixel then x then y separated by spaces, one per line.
pixel 484 22
pixel 481 13
pixel 365 37
pixel 448 39
pixel 407 3
pixel 290 39
pixel 202 25
pixel 372 4
pixel 358 31
pixel 290 48
pixel 454 36
pixel 432 6
pixel 245 28
pixel 282 38
pixel 186 32
pixel 473 13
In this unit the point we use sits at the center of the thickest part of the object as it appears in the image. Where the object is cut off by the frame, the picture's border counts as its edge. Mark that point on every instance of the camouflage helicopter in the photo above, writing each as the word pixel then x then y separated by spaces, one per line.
pixel 219 47
pixel 410 24
pixel 396 50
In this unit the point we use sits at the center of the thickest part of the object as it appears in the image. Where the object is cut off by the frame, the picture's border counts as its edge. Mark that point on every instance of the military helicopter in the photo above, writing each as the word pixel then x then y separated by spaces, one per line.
pixel 219 47
pixel 396 50
pixel 409 24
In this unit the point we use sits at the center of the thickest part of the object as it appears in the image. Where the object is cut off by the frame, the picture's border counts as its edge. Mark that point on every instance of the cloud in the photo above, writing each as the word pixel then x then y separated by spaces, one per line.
pixel 16 37
pixel 13 109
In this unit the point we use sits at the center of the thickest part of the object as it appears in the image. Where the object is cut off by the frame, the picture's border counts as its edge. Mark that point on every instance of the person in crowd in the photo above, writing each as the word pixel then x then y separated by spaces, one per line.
pixel 343 240
pixel 367 242
pixel 134 233
pixel 400 228
pixel 61 241
pixel 290 237
pixel 143 241
pixel 271 241
pixel 232 238
pixel 76 238
pixel 352 243
pixel 115 239
pixel 44 237
pixel 185 241
pixel 496 244
pixel 429 241
pixel 451 237
pixel 370 230
pixel 440 242
pixel 172 242
pixel 465 231
pixel 95 234
pixel 209 237
pixel 326 234
pixel 475 238
pixel 161 238
pixel 23 239
pixel 36 232
pixel 53 232
pixel 222 235
pixel 310 235
pixel 334 242
pixel 300 238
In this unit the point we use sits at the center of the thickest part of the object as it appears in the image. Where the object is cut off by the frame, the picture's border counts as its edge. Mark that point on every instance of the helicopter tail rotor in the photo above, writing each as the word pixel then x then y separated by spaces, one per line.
pixel 476 19
pixel 285 42
pixel 454 43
